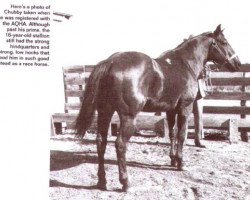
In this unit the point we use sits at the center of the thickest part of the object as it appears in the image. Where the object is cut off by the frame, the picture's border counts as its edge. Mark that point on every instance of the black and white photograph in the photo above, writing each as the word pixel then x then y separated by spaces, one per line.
pixel 125 100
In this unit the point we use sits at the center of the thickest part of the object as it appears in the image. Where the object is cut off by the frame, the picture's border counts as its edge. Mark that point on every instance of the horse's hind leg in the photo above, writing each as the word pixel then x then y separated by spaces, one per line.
pixel 127 128
pixel 172 136
pixel 198 123
pixel 104 117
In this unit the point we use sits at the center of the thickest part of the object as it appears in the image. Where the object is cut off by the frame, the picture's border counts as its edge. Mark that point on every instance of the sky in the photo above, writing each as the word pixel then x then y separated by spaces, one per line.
pixel 101 28
pixel 96 30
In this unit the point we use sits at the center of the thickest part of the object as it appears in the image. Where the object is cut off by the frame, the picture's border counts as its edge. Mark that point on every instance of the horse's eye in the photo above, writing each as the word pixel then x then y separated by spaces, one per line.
pixel 223 42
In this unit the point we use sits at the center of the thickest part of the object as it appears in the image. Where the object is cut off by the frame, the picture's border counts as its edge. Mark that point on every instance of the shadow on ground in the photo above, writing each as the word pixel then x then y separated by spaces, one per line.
pixel 60 160
pixel 55 183
pixel 92 141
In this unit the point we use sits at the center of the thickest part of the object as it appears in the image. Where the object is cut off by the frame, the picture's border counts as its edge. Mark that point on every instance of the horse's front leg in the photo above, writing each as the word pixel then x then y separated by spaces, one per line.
pixel 198 121
pixel 171 115
pixel 182 123
pixel 126 130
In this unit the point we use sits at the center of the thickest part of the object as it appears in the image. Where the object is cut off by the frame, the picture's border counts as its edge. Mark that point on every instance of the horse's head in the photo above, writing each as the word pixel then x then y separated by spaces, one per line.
pixel 221 52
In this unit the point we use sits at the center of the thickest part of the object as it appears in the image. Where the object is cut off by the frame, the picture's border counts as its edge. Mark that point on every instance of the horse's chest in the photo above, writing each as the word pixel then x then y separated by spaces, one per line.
pixel 188 96
pixel 181 89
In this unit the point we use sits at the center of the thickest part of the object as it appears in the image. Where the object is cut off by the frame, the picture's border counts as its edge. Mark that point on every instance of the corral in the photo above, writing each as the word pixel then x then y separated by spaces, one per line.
pixel 229 90
pixel 220 171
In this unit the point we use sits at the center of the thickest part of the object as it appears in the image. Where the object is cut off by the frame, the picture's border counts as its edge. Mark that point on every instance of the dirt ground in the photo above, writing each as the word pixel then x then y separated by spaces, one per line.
pixel 219 171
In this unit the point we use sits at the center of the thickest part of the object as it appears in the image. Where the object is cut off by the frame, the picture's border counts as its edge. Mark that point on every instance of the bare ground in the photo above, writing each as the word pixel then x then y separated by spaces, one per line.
pixel 219 171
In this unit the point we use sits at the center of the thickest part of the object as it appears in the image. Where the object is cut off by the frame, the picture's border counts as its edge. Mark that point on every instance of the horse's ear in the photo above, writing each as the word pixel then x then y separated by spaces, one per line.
pixel 217 31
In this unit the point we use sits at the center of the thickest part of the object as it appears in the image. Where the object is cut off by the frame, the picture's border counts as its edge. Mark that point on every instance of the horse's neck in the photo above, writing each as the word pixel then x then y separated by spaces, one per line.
pixel 176 58
pixel 194 66
pixel 194 57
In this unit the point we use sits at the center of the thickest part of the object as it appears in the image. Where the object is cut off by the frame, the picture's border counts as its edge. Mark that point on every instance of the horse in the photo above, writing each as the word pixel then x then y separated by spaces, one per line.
pixel 131 82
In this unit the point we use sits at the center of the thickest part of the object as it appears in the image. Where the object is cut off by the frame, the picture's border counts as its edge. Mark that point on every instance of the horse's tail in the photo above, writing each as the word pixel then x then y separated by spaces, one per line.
pixel 88 106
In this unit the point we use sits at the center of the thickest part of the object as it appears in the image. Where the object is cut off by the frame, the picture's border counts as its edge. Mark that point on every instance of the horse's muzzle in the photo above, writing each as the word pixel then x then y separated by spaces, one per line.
pixel 233 65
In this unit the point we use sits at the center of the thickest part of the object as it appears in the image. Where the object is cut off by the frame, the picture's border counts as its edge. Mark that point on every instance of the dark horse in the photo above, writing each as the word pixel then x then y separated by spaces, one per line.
pixel 131 82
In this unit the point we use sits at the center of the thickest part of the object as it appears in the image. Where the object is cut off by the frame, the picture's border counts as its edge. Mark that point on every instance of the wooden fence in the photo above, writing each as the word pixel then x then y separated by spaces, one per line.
pixel 225 87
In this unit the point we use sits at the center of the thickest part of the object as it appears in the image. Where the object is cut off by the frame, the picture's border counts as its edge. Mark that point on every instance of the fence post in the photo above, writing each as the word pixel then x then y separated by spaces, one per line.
pixel 161 129
pixel 234 136
pixel 52 131
pixel 244 134
pixel 56 127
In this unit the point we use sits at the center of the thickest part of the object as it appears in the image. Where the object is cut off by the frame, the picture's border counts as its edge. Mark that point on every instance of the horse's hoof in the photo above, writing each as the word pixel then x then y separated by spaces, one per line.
pixel 101 186
pixel 198 144
pixel 173 163
pixel 182 167
pixel 125 188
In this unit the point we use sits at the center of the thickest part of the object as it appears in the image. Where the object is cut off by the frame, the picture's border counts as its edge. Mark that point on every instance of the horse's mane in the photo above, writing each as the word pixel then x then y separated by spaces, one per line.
pixel 190 38
pixel 185 42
